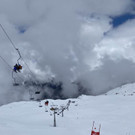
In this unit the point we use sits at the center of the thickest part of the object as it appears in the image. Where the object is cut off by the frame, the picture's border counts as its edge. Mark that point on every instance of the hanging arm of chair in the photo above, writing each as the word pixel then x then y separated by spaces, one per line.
pixel 18 54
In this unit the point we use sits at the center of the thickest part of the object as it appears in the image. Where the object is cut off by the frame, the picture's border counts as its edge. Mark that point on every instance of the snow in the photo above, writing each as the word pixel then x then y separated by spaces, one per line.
pixel 115 113
pixel 126 90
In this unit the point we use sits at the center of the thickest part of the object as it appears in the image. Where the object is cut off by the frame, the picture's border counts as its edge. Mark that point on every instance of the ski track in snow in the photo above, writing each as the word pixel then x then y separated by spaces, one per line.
pixel 114 110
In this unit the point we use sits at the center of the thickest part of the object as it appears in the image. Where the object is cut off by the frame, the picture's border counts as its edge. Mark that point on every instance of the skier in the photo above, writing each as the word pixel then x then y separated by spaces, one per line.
pixel 17 67
pixel 46 103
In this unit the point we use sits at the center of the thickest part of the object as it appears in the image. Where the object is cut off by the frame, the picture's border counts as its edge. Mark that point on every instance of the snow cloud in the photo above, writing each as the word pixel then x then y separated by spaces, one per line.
pixel 73 42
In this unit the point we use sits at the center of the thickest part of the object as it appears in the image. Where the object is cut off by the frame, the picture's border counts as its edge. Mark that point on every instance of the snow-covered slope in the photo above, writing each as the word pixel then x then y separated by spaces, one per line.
pixel 114 113
pixel 125 90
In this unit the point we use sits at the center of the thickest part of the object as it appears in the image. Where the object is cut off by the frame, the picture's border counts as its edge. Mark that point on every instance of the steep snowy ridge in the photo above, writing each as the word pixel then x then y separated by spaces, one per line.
pixel 114 112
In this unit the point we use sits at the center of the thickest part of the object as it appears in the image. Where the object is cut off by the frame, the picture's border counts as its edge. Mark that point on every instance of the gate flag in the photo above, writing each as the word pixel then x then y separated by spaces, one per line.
pixel 93 132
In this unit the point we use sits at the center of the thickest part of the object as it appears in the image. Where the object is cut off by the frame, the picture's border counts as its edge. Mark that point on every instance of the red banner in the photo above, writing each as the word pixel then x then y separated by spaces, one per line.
pixel 95 133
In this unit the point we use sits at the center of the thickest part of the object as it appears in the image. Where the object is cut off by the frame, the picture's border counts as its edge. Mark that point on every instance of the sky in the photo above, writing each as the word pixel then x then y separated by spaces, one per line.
pixel 85 42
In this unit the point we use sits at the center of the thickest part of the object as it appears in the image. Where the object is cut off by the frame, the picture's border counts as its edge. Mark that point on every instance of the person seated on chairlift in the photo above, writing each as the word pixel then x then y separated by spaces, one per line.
pixel 17 67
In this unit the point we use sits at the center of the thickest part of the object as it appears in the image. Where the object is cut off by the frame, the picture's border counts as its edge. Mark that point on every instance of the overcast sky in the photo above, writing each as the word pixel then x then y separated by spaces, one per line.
pixel 86 41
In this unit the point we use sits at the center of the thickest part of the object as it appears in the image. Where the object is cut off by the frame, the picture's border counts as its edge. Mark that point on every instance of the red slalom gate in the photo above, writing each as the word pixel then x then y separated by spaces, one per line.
pixel 95 132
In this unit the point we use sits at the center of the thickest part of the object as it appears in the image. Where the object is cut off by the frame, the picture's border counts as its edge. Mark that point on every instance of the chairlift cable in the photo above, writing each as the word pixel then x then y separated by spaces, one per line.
pixel 15 48
pixel 11 42
pixel 20 57
pixel 8 36
pixel 5 62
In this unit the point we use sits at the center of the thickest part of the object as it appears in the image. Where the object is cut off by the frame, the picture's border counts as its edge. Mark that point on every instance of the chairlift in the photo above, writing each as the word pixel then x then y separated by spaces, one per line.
pixel 31 95
pixel 15 70
pixel 31 98
pixel 16 84
pixel 40 104
pixel 37 92
pixel 38 100
pixel 17 67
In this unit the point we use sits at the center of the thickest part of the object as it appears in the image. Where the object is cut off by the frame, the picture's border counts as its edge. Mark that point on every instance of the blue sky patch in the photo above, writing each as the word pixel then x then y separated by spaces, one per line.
pixel 22 29
pixel 118 20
